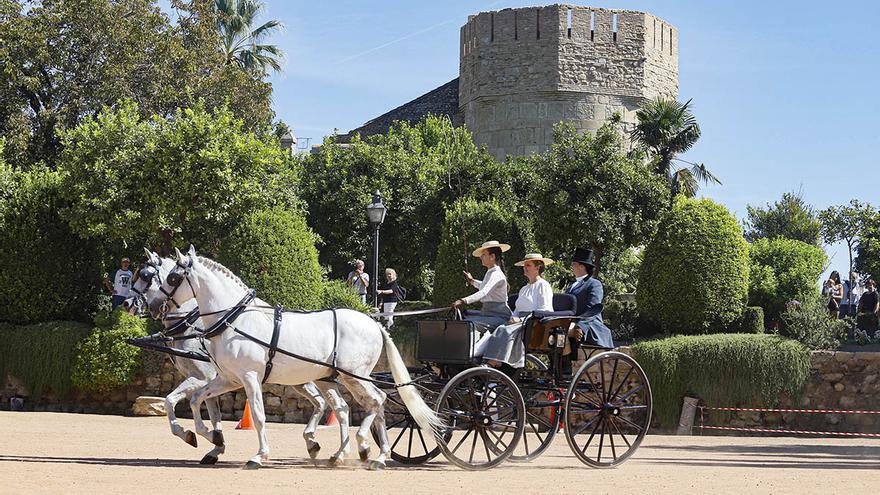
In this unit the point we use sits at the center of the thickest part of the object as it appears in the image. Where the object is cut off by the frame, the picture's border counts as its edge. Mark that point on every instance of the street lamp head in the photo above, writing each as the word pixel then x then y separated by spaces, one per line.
pixel 376 210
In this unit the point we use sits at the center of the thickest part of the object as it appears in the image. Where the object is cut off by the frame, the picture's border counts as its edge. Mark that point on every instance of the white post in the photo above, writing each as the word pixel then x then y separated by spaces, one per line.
pixel 688 411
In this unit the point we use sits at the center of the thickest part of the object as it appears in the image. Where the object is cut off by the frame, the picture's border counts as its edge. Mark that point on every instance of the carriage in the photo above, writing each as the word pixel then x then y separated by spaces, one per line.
pixel 603 408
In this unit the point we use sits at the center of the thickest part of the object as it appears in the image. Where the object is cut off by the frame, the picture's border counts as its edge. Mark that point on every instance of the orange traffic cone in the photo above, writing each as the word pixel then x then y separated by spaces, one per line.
pixel 246 423
pixel 331 419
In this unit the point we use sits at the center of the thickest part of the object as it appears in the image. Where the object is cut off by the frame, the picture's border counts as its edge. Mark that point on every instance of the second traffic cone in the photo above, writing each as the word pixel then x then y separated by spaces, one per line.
pixel 331 419
pixel 246 422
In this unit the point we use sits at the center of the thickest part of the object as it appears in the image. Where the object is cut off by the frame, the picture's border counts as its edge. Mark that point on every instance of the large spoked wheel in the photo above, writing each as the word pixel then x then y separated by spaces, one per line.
pixel 543 411
pixel 484 414
pixel 409 444
pixel 607 410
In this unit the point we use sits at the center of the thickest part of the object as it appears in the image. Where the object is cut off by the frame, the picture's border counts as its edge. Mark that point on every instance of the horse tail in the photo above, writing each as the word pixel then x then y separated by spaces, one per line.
pixel 424 416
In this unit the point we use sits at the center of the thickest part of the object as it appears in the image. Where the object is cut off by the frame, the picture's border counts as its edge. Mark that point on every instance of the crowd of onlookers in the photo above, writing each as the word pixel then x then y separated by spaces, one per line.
pixel 853 298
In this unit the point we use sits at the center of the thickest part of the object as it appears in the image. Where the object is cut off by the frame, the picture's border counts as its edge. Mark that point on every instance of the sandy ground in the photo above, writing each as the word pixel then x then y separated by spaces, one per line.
pixel 72 453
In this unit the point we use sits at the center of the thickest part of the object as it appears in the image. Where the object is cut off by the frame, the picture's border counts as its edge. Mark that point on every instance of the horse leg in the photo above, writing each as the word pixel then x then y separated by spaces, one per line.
pixel 311 392
pixel 340 408
pixel 184 389
pixel 213 405
pixel 254 392
pixel 215 387
pixel 371 399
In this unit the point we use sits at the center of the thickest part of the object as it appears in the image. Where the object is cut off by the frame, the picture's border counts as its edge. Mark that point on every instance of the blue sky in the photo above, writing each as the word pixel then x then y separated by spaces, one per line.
pixel 784 91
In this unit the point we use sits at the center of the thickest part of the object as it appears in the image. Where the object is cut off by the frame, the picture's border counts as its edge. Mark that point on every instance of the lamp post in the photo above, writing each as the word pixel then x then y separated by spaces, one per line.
pixel 376 215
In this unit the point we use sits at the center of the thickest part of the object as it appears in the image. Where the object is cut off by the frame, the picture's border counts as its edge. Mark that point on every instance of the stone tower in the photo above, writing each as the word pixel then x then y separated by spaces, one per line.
pixel 523 70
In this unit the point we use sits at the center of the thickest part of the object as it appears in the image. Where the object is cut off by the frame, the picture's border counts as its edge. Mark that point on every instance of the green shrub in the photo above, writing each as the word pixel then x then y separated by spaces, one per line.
pixel 483 221
pixel 811 325
pixel 104 361
pixel 695 273
pixel 338 294
pixel 273 251
pixel 782 270
pixel 752 320
pixel 42 355
pixel 46 271
pixel 723 370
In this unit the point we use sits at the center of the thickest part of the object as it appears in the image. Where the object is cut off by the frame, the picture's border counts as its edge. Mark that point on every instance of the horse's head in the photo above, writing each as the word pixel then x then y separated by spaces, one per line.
pixel 162 284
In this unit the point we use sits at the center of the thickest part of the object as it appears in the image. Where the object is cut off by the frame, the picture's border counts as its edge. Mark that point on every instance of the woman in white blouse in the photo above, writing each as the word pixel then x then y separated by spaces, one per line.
pixel 492 290
pixel 505 344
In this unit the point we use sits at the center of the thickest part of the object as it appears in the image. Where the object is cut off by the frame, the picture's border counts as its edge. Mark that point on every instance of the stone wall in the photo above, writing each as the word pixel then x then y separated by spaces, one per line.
pixel 524 70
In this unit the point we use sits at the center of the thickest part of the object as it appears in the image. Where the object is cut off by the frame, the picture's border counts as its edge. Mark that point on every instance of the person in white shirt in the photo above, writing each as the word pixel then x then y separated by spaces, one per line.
pixel 121 283
pixel 505 344
pixel 492 289
pixel 359 280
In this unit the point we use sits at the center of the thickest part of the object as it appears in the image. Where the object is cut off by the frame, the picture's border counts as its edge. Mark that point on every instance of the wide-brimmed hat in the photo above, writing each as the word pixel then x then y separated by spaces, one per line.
pixel 534 257
pixel 490 244
pixel 583 256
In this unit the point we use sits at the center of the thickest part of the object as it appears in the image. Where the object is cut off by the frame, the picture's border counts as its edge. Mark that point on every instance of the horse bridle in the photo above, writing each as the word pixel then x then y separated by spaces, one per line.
pixel 150 273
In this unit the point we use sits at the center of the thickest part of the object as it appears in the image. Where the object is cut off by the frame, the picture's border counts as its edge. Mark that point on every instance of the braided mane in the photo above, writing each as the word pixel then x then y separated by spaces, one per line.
pixel 218 268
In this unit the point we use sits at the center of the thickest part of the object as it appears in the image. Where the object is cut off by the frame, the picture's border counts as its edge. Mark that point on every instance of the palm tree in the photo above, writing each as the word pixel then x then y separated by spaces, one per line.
pixel 667 128
pixel 241 43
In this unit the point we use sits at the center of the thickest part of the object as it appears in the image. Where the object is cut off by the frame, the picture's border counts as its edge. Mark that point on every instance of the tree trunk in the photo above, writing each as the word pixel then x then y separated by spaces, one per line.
pixel 166 242
pixel 597 260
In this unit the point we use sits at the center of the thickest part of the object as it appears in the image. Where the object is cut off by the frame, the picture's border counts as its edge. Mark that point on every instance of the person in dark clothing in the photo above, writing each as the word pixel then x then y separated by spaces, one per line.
pixel 391 295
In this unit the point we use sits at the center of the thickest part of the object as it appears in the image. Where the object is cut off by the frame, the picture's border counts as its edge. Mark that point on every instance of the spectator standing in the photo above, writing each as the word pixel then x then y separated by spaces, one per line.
pixel 833 290
pixel 868 318
pixel 359 280
pixel 852 292
pixel 391 295
pixel 121 283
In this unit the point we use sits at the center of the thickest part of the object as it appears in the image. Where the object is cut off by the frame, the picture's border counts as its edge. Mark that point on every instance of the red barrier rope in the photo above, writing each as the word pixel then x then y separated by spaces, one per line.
pixel 814 411
pixel 801 432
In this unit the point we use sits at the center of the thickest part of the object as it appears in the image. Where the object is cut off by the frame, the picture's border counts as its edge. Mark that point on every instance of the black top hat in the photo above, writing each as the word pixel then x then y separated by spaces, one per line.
pixel 583 256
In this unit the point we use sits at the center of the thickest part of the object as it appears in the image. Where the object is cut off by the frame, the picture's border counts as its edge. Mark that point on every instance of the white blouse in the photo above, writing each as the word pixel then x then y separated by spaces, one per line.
pixel 535 297
pixel 491 289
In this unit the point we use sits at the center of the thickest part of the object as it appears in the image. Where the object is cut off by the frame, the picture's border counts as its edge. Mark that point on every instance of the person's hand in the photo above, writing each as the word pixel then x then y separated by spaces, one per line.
pixel 468 276
pixel 575 332
pixel 514 319
pixel 457 303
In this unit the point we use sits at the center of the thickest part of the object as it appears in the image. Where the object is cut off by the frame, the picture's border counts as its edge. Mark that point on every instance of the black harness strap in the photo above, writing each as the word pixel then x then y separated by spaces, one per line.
pixel 273 346
pixel 181 326
pixel 227 319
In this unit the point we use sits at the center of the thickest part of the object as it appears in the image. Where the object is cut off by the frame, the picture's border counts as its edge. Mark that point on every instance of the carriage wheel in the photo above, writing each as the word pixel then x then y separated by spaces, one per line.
pixel 543 410
pixel 607 410
pixel 409 444
pixel 485 416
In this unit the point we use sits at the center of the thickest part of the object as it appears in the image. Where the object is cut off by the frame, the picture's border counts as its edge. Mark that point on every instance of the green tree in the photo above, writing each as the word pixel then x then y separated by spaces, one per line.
pixel 847 223
pixel 590 193
pixel 241 42
pixel 273 251
pixel 694 276
pixel 187 178
pixel 868 250
pixel 667 128
pixel 791 217
pixel 64 60
pixel 782 270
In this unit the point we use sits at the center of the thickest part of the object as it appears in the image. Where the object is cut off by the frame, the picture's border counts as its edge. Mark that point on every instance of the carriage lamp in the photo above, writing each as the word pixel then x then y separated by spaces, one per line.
pixel 376 215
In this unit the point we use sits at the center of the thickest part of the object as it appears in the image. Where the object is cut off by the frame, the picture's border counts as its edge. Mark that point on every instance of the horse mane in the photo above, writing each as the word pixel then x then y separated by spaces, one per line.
pixel 218 268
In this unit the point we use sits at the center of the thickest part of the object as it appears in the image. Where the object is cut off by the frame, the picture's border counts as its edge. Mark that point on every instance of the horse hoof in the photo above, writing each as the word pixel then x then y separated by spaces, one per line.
pixel 209 460
pixel 252 465
pixel 217 438
pixel 365 454
pixel 336 461
pixel 377 465
pixel 313 450
pixel 191 439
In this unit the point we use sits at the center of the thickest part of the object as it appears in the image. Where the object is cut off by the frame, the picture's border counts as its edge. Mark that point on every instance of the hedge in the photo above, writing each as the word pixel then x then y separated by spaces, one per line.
pixel 273 251
pixel 782 270
pixel 484 221
pixel 42 355
pixel 338 294
pixel 104 361
pixel 723 370
pixel 46 272
pixel 695 272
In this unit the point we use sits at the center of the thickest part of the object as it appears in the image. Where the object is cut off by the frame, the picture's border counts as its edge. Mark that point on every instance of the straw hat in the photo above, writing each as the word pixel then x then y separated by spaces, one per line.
pixel 534 257
pixel 490 244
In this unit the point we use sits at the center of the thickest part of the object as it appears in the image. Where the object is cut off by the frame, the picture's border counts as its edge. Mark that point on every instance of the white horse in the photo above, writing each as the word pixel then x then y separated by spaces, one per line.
pixel 199 373
pixel 348 339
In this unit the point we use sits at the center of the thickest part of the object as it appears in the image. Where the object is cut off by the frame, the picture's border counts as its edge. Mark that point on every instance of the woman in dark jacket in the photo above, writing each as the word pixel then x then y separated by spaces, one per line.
pixel 391 295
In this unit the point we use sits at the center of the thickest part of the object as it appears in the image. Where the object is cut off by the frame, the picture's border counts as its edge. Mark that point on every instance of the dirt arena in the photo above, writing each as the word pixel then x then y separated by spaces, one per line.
pixel 73 453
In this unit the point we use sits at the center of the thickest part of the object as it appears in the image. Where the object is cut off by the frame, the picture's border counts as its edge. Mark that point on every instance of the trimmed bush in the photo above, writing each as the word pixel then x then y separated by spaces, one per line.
pixel 41 355
pixel 811 325
pixel 273 251
pixel 782 270
pixel 695 273
pixel 723 370
pixel 483 221
pixel 752 320
pixel 46 271
pixel 338 294
pixel 104 361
